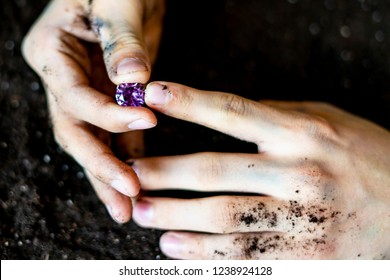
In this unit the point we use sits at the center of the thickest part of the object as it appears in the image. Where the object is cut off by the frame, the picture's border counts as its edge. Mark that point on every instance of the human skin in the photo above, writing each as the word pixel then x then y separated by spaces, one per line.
pixel 80 77
pixel 318 188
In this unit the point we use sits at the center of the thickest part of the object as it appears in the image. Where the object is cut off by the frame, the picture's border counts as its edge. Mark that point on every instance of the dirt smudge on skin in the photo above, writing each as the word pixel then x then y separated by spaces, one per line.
pixel 97 24
pixel 251 246
pixel 295 210
pixel 259 214
pixel 255 246
pixel 47 70
pixel 219 253
pixel 295 217
pixel 109 47
pixel 315 219
pixel 86 14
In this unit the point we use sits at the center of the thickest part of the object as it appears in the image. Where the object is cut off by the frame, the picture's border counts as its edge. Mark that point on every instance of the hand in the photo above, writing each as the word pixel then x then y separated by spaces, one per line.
pixel 319 187
pixel 76 73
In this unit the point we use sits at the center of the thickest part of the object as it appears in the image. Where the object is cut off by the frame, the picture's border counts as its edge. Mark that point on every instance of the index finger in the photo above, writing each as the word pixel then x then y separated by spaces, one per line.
pixel 242 118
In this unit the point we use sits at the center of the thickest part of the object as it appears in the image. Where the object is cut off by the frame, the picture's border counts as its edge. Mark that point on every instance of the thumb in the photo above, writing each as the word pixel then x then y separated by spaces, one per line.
pixel 119 27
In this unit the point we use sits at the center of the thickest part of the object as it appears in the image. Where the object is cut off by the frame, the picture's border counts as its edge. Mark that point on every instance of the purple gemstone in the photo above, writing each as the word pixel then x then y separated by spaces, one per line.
pixel 130 94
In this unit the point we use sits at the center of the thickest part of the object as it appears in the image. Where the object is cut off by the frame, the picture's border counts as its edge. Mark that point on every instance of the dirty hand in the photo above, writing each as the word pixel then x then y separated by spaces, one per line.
pixel 319 187
pixel 79 77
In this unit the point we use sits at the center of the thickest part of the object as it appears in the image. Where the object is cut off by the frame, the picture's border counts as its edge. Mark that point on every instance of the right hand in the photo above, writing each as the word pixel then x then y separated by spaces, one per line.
pixel 79 80
pixel 318 187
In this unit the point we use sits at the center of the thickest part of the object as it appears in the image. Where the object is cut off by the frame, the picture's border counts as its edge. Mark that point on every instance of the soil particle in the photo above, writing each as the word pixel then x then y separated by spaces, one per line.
pixel 296 210
pixel 252 247
pixel 255 245
pixel 46 70
pixel 219 253
pixel 248 219
pixel 315 219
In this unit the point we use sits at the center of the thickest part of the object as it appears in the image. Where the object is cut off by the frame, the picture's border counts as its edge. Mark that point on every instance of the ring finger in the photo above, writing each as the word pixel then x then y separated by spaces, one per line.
pixel 230 214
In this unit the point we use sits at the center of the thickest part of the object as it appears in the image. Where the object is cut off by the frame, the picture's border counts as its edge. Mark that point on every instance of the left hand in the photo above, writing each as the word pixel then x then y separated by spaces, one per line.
pixel 79 78
pixel 319 187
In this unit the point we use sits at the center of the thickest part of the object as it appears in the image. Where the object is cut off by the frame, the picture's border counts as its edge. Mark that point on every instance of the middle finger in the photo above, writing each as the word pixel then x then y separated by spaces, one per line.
pixel 232 172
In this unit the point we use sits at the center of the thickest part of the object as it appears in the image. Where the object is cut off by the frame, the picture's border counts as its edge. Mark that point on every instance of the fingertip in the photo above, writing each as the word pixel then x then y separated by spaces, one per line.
pixel 128 185
pixel 120 30
pixel 117 119
pixel 171 244
pixel 120 213
pixel 157 94
pixel 175 100
pixel 123 179
pixel 122 186
pixel 143 212
pixel 141 124
pixel 115 187
pixel 118 206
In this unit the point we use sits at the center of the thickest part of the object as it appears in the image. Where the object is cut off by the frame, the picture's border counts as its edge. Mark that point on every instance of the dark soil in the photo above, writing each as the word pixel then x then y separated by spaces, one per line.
pixel 334 51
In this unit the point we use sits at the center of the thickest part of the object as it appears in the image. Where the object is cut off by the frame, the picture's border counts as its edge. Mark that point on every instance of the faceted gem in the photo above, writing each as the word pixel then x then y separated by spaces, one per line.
pixel 130 94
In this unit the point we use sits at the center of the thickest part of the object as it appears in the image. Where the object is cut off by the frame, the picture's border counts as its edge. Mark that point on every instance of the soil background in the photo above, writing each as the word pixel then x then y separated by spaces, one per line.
pixel 328 50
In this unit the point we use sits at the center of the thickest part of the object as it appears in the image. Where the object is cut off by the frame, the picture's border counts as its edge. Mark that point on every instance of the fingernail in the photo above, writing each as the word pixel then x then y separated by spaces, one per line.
pixel 157 94
pixel 130 65
pixel 143 212
pixel 170 244
pixel 120 186
pixel 140 124
pixel 115 214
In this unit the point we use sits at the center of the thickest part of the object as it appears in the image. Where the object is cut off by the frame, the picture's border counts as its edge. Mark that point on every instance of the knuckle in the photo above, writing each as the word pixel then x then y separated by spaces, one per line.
pixel 36 41
pixel 317 128
pixel 60 137
pixel 234 105
pixel 53 42
pixel 31 48
pixel 311 174
pixel 27 44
